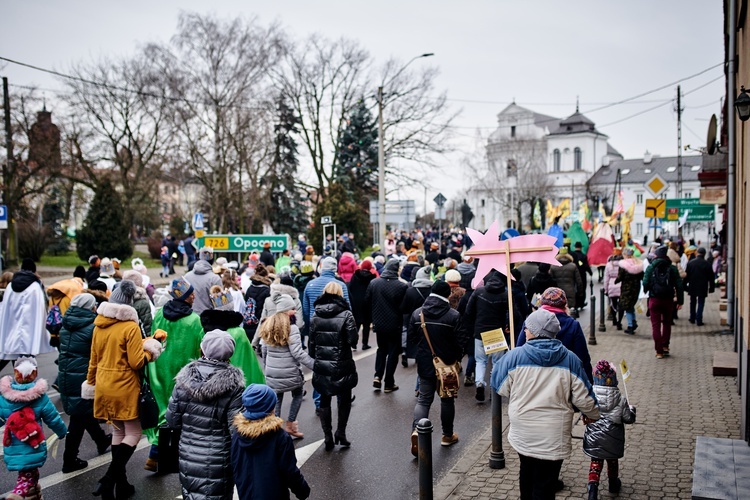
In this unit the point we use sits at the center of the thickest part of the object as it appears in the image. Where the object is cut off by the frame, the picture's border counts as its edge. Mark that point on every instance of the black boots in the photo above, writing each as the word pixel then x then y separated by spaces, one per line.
pixel 116 475
pixel 325 423
pixel 593 491
pixel 340 436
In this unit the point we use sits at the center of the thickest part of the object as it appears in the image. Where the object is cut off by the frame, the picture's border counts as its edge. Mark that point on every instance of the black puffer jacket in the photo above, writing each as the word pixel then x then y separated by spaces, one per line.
pixel 384 297
pixel 259 291
pixel 488 306
pixel 357 291
pixel 333 332
pixel 75 352
pixel 446 335
pixel 206 397
pixel 539 283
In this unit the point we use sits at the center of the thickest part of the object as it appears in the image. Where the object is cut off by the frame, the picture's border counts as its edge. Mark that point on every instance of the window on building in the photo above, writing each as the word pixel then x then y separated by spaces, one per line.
pixel 639 199
pixel 556 160
pixel 577 159
pixel 510 199
pixel 512 168
pixel 513 131
pixel 639 228
pixel 687 194
pixel 483 202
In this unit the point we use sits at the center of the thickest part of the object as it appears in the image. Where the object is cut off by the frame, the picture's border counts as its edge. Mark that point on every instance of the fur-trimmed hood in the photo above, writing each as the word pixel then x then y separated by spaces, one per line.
pixel 206 380
pixel 253 429
pixel 22 393
pixel 278 288
pixel 118 312
pixel 564 258
pixel 632 266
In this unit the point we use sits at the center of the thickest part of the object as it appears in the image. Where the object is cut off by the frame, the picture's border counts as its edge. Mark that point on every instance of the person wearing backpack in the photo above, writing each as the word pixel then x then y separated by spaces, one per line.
pixel 255 298
pixel 662 281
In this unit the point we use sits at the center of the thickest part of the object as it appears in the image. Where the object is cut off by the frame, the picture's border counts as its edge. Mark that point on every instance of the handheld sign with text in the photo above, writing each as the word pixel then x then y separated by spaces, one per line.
pixel 494 341
pixel 625 373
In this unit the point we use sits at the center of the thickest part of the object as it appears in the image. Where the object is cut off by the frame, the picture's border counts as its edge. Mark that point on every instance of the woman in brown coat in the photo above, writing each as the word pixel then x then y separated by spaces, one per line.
pixel 118 353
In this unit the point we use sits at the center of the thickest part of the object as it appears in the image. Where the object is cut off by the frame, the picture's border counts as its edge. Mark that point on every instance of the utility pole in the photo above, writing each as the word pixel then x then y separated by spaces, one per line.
pixel 10 253
pixel 381 172
pixel 679 142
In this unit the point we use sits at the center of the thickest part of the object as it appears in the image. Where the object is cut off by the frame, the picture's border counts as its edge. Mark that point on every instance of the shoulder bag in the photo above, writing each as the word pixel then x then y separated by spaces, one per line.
pixel 447 375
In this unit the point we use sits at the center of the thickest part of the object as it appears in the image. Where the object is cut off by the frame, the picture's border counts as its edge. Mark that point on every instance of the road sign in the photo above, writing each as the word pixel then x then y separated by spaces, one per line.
pixel 677 208
pixel 3 217
pixel 440 212
pixel 656 185
pixel 440 199
pixel 398 212
pixel 714 196
pixel 326 219
pixel 200 233
pixel 654 223
pixel 656 208
pixel 244 242
pixel 198 221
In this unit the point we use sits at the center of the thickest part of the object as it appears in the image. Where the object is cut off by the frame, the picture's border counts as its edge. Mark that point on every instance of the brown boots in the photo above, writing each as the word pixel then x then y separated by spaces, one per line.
pixel 293 430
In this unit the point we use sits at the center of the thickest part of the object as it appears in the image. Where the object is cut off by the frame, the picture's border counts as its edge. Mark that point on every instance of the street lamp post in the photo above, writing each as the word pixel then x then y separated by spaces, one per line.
pixel 381 155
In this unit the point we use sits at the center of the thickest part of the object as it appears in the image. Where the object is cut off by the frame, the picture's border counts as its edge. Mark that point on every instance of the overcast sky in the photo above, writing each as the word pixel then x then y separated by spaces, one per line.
pixel 542 53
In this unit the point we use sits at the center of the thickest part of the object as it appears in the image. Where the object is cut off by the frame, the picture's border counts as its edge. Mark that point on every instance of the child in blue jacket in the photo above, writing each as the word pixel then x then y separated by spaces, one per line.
pixel 23 406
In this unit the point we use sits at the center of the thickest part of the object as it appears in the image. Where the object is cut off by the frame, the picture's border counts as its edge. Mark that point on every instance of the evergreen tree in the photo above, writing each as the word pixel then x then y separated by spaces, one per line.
pixel 287 212
pixel 346 213
pixel 53 218
pixel 105 231
pixel 357 154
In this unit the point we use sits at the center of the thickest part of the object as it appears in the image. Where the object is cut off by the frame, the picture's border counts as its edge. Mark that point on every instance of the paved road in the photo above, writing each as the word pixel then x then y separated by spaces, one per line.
pixel 379 464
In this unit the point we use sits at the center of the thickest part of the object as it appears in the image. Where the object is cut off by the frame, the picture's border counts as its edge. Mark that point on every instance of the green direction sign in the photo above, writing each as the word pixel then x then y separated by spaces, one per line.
pixel 244 242
pixel 676 208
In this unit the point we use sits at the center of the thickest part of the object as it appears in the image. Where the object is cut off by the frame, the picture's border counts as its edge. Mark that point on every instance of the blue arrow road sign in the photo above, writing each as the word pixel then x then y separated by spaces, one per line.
pixel 198 221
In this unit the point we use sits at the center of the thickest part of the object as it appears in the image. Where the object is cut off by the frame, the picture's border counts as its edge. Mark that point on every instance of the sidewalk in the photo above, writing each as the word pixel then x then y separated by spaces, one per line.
pixel 677 399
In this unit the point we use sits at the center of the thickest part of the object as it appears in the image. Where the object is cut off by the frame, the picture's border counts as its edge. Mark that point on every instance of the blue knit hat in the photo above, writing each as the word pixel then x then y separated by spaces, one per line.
pixel 259 401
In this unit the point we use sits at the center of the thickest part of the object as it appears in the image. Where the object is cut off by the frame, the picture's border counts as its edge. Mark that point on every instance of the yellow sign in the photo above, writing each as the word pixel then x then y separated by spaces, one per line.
pixel 656 185
pixel 200 233
pixel 217 243
pixel 494 341
pixel 624 370
pixel 656 208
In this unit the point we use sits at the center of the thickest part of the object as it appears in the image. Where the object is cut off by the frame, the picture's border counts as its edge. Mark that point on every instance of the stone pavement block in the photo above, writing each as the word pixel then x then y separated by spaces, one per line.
pixel 677 398
pixel 725 364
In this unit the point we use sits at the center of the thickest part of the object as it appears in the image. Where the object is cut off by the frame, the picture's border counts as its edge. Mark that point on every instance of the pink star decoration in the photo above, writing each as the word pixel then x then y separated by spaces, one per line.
pixel 492 252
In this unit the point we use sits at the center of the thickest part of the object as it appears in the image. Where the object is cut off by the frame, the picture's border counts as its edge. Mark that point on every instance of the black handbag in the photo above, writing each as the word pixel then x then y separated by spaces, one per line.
pixel 148 410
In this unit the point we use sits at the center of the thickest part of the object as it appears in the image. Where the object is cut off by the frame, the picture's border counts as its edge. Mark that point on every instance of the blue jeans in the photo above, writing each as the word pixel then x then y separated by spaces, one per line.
pixel 471 365
pixel 482 359
pixel 696 313
pixel 631 317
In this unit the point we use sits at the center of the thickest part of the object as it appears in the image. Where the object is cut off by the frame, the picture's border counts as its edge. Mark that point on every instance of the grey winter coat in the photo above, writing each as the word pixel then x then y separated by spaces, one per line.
pixel 605 438
pixel 202 277
pixel 206 397
pixel 281 363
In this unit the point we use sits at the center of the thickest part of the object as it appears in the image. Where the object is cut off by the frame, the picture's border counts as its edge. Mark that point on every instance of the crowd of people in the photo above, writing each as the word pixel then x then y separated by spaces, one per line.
pixel 220 347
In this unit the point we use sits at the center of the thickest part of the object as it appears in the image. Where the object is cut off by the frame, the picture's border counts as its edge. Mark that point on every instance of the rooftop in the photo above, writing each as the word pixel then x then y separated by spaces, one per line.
pixel 638 171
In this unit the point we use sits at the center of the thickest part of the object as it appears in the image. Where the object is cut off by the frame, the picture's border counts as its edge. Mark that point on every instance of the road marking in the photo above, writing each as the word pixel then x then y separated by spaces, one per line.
pixel 59 477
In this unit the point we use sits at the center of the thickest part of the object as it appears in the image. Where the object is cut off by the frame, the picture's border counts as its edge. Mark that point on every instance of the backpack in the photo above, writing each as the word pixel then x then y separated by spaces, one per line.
pixel 661 285
pixel 250 317
pixel 54 324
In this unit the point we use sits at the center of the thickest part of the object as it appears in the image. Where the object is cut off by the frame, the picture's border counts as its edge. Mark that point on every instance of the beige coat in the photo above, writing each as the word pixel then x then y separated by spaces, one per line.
pixel 117 355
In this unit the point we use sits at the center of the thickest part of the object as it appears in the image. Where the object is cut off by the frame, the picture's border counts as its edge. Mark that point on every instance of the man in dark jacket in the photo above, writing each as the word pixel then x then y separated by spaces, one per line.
pixel 357 291
pixel 266 257
pixel 541 281
pixel 443 325
pixel 486 310
pixel 414 297
pixel 699 282
pixel 662 281
pixel 384 297
pixel 582 263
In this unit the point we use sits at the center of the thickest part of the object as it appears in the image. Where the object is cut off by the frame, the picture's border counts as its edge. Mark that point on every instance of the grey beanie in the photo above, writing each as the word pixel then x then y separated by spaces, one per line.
pixel 124 293
pixel 218 345
pixel 284 302
pixel 329 264
pixel 424 273
pixel 84 301
pixel 543 323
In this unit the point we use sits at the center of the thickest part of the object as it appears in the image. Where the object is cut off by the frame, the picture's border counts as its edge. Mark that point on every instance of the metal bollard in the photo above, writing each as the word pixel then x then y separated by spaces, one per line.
pixel 424 432
pixel 602 307
pixel 592 326
pixel 497 455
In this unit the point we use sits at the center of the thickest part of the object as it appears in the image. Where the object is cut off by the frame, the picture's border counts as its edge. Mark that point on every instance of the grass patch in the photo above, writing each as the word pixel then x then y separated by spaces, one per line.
pixel 71 260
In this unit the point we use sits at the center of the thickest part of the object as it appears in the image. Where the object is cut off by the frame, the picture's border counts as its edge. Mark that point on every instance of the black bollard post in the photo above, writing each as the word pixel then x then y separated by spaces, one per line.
pixel 592 326
pixel 424 431
pixel 602 307
pixel 497 455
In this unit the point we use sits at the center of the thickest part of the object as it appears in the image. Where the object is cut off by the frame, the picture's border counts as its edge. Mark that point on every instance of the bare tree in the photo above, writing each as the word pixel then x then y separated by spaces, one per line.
pixel 214 68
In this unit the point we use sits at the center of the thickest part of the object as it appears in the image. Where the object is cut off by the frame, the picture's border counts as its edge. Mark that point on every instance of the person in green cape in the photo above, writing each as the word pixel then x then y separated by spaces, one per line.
pixel 184 335
pixel 222 316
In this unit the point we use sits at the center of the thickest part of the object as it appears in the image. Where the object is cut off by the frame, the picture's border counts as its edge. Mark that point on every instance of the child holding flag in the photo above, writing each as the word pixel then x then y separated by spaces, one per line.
pixel 604 439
